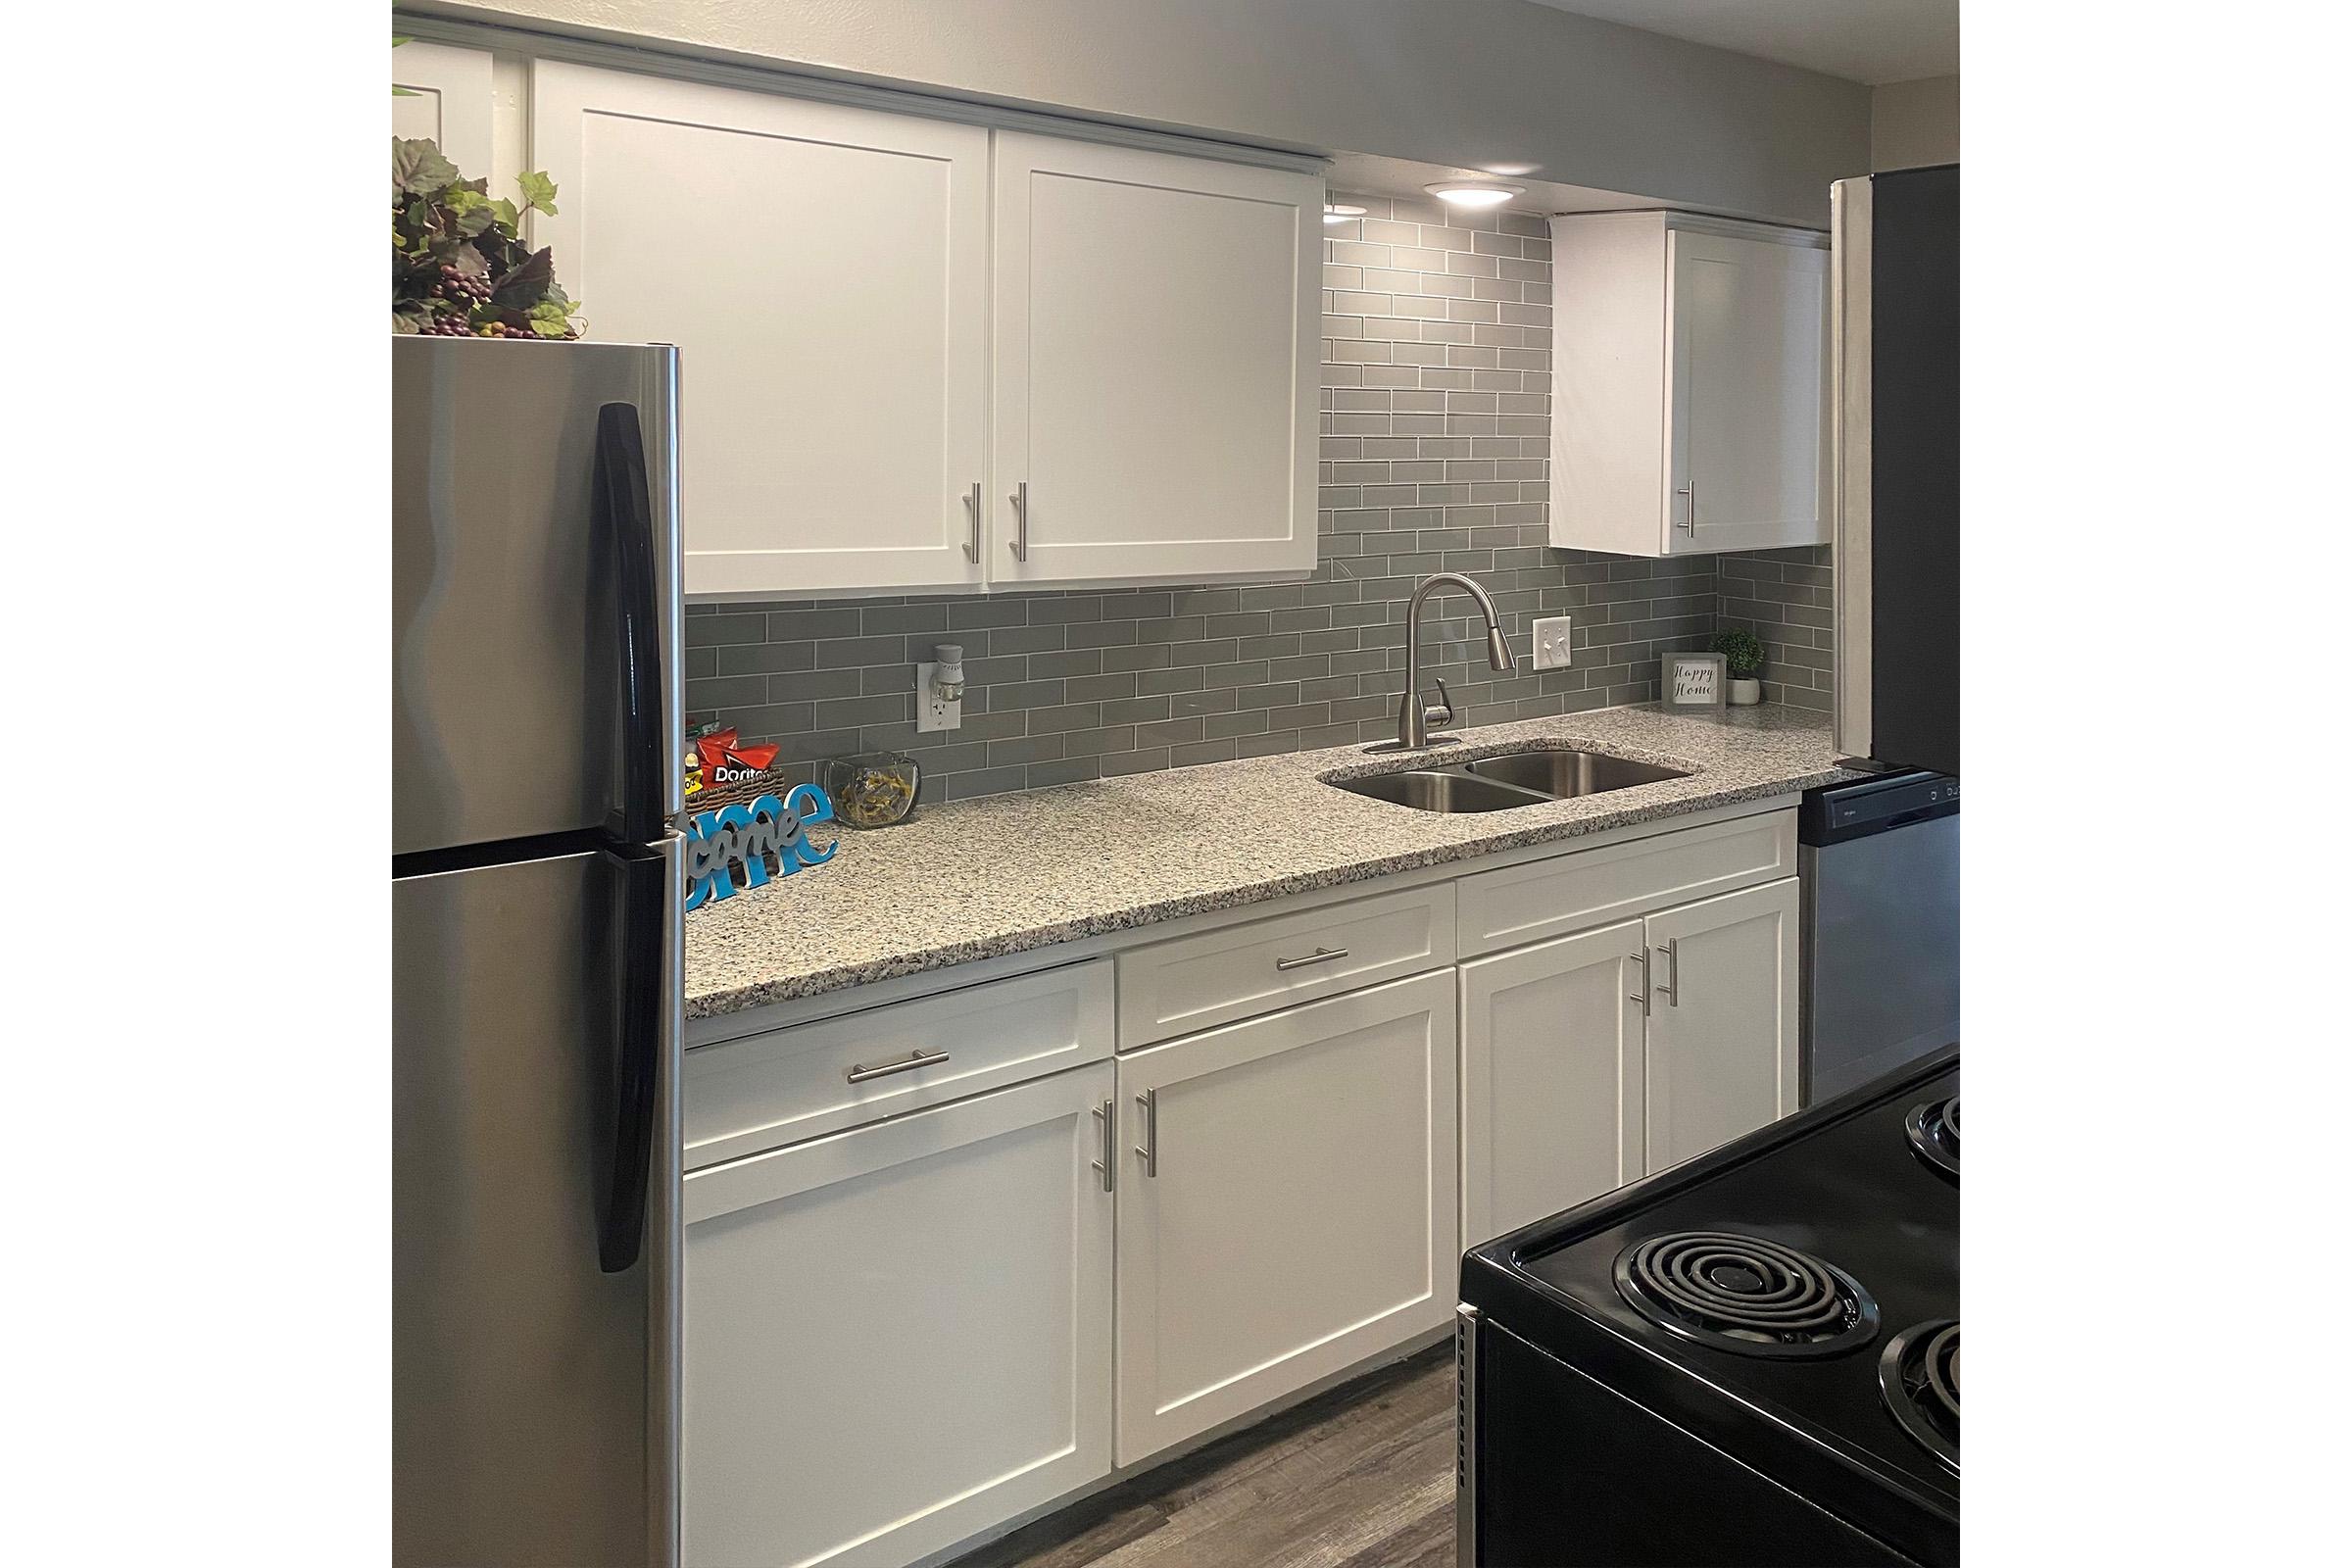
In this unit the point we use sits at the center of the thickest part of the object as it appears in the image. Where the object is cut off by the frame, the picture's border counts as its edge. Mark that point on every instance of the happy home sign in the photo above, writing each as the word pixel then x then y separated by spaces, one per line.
pixel 739 840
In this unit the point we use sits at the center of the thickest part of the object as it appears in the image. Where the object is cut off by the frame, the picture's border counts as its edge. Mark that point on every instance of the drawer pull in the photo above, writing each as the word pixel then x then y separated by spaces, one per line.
pixel 860 1072
pixel 1319 955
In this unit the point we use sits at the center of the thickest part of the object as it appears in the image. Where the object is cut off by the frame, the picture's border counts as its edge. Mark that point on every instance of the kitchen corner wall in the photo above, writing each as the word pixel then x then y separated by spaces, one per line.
pixel 1436 425
pixel 1784 597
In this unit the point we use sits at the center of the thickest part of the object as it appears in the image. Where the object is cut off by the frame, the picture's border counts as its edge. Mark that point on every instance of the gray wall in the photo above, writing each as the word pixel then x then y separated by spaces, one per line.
pixel 1468 82
pixel 1915 123
pixel 1436 422
pixel 1782 595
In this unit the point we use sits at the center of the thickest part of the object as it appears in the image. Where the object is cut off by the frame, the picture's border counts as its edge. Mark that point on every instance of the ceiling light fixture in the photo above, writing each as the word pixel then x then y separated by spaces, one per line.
pixel 1340 212
pixel 1475 193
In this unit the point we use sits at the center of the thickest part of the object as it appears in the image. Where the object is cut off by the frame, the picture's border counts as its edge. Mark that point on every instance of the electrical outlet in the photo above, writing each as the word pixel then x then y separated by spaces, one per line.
pixel 1551 642
pixel 931 710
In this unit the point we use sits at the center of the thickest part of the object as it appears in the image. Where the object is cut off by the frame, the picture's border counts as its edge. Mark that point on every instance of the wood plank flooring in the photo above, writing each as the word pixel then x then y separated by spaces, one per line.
pixel 1361 1476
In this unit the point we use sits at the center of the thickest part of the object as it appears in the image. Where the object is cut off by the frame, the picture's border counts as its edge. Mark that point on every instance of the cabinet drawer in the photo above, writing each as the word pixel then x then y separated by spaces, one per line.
pixel 1173 988
pixel 1592 887
pixel 758 1093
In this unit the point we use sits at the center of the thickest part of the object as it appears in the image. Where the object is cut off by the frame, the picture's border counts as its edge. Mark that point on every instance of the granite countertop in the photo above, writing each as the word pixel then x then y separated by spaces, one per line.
pixel 977 879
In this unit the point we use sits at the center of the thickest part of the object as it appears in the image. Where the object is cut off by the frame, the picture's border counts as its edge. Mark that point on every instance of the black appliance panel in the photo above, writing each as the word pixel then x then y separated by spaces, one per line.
pixel 1915 467
pixel 1565 1456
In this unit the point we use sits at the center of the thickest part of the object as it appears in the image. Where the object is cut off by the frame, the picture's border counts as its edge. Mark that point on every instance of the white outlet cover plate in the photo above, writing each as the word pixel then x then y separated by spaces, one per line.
pixel 930 712
pixel 1552 650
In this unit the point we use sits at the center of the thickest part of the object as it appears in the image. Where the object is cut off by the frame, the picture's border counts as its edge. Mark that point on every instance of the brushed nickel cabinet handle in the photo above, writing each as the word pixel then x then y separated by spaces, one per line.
pixel 860 1072
pixel 1673 988
pixel 1642 996
pixel 1020 522
pixel 971 546
pixel 1107 1165
pixel 1319 955
pixel 1150 1147
pixel 1690 518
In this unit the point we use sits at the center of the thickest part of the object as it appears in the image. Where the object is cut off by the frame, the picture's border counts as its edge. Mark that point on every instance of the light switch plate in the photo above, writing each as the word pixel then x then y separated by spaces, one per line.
pixel 931 711
pixel 1551 642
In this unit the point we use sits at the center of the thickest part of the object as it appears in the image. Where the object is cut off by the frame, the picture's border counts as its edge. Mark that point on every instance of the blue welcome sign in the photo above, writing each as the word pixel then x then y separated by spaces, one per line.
pixel 742 838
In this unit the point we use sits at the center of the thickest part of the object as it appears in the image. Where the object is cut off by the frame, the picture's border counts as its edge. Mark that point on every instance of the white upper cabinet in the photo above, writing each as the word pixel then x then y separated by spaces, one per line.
pixel 825 271
pixel 447 102
pixel 1156 358
pixel 1689 385
pixel 830 271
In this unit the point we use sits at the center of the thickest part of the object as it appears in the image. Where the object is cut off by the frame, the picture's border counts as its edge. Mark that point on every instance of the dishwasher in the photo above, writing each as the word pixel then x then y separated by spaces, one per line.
pixel 1879 862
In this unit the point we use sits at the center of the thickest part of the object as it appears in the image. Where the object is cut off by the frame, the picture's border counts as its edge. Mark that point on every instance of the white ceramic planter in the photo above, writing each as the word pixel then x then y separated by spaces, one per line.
pixel 1747 693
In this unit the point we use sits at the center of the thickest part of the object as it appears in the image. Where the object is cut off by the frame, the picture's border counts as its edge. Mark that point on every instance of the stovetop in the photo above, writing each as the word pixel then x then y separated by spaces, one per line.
pixel 1795 1298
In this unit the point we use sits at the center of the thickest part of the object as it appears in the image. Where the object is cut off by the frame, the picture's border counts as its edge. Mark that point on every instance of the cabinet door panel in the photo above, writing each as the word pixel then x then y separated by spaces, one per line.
pixel 825 269
pixel 1722 1056
pixel 897 1336
pixel 449 104
pixel 1551 1078
pixel 1750 355
pixel 1156 359
pixel 1303 1213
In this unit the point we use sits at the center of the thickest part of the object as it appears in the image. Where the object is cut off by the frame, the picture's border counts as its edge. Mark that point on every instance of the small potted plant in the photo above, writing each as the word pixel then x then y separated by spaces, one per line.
pixel 1742 662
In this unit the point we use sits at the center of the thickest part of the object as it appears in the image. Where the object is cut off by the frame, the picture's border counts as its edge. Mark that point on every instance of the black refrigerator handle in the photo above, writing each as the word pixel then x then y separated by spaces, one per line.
pixel 645 901
pixel 621 492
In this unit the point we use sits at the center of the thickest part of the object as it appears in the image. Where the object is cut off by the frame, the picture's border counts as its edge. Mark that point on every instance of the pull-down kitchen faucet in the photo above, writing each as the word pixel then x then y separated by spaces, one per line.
pixel 1413 721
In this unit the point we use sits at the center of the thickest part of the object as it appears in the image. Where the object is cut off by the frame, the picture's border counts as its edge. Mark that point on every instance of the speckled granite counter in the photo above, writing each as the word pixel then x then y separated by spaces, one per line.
pixel 1006 873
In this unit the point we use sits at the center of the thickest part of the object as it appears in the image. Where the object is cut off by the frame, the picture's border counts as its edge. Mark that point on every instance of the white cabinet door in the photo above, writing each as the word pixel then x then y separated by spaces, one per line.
pixel 1722 1057
pixel 825 271
pixel 1749 336
pixel 1157 348
pixel 899 1336
pixel 449 106
pixel 1551 1077
pixel 1295 1211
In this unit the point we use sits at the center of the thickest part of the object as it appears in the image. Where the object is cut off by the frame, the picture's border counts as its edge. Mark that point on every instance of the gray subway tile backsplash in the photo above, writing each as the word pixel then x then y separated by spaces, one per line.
pixel 1435 439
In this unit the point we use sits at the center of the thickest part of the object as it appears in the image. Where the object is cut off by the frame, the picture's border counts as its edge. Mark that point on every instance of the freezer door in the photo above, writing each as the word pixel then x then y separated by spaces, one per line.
pixel 536 1036
pixel 535 660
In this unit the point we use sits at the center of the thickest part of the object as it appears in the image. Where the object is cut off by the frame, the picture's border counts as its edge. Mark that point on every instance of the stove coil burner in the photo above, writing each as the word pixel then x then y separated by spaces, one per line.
pixel 1935 1133
pixel 1746 1295
pixel 1920 1377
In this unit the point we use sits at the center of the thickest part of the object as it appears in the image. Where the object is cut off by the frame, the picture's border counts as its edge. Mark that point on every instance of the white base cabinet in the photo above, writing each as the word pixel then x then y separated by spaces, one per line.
pixel 1722 1056
pixel 1573 1085
pixel 1551 1077
pixel 897 1337
pixel 1285 1203
pixel 989 1290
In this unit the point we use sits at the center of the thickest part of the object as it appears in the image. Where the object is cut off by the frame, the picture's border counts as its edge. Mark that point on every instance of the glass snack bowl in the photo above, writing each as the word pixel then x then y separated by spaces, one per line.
pixel 873 789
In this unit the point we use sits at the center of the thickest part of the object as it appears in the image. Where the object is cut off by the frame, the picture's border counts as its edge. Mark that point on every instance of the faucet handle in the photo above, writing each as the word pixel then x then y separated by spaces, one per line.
pixel 1442 713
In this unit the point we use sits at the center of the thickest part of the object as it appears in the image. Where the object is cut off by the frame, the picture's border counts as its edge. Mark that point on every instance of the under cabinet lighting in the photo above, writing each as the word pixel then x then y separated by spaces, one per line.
pixel 1475 193
pixel 1340 212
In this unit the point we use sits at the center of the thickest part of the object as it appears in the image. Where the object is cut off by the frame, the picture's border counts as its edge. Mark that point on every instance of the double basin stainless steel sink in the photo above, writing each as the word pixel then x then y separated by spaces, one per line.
pixel 1515 778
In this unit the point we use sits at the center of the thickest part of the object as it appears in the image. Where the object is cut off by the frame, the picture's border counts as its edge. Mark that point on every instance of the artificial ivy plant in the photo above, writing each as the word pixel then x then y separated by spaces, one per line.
pixel 459 267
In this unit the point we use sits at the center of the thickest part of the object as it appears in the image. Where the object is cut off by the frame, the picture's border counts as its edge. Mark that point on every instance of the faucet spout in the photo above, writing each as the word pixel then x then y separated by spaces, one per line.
pixel 1413 721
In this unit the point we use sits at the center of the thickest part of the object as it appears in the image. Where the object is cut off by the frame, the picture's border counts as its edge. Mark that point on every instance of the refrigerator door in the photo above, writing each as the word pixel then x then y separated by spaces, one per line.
pixel 535 1248
pixel 535 657
pixel 1896 432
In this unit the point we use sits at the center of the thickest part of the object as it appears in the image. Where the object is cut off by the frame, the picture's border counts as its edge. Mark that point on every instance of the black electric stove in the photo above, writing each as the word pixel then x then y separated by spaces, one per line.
pixel 1751 1358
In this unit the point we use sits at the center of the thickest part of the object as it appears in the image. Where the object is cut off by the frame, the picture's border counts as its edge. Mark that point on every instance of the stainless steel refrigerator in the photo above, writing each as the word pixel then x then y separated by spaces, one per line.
pixel 537 899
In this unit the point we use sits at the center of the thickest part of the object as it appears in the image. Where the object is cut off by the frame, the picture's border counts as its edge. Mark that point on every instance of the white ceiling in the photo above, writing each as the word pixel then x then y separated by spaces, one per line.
pixel 1871 42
